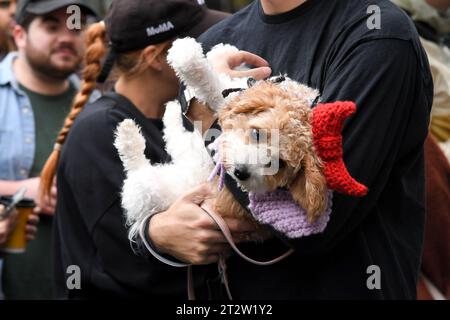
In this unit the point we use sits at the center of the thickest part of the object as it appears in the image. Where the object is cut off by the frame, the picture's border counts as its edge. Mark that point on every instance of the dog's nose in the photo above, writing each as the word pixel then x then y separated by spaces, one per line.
pixel 241 173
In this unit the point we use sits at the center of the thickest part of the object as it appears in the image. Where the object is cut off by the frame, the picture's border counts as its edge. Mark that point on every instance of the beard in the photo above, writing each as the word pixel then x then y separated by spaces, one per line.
pixel 51 65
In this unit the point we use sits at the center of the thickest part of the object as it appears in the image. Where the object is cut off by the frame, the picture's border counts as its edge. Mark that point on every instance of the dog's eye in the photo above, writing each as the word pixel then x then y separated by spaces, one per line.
pixel 255 135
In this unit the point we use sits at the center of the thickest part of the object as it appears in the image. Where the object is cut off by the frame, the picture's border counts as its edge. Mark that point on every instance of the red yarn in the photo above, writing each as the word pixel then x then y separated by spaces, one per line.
pixel 327 124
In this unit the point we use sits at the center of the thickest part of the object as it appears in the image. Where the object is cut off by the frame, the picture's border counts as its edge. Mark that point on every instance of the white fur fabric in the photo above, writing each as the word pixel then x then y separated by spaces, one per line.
pixel 195 70
pixel 153 188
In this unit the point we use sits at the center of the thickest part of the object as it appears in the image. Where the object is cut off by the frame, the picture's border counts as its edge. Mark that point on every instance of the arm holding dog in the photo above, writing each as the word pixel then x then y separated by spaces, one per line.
pixel 185 232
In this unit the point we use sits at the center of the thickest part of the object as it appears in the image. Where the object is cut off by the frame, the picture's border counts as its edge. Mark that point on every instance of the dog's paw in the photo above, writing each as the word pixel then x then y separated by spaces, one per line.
pixel 172 116
pixel 182 54
pixel 130 144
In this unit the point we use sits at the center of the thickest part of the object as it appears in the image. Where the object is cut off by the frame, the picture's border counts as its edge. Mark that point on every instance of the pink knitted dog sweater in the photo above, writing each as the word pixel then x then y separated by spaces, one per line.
pixel 279 210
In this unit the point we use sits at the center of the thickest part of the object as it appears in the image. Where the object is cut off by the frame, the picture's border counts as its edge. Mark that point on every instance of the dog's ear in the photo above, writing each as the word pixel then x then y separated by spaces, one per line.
pixel 309 188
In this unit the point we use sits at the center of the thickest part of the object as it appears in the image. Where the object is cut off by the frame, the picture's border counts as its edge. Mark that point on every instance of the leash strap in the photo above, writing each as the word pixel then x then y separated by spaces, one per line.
pixel 153 251
pixel 221 265
pixel 226 232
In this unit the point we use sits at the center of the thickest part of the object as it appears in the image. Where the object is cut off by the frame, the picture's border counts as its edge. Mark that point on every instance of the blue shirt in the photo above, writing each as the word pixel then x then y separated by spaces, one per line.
pixel 17 128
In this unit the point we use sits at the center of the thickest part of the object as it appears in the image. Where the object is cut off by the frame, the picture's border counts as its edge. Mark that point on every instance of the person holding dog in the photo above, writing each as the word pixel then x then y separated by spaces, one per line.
pixel 362 51
pixel 90 231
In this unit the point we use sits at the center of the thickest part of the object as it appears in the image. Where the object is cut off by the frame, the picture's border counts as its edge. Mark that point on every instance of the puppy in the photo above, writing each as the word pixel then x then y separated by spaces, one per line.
pixel 271 123
pixel 269 141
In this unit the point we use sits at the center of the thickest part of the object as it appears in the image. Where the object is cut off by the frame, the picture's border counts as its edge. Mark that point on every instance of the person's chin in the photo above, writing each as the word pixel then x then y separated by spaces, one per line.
pixel 66 65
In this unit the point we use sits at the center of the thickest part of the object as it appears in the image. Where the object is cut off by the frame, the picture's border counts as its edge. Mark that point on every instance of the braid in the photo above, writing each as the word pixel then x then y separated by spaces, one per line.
pixel 95 52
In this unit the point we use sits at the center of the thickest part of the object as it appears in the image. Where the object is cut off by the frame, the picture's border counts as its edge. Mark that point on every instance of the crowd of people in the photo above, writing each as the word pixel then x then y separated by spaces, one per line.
pixel 63 91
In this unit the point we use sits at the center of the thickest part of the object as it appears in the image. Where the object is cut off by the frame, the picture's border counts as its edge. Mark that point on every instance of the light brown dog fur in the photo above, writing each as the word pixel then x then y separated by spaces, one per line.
pixel 285 108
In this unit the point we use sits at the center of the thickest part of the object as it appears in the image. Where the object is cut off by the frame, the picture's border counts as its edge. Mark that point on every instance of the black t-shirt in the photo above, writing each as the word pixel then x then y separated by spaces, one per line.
pixel 89 224
pixel 323 43
pixel 328 45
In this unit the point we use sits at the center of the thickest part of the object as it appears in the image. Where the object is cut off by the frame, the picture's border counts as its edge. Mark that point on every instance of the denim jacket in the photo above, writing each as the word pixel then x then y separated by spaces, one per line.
pixel 17 129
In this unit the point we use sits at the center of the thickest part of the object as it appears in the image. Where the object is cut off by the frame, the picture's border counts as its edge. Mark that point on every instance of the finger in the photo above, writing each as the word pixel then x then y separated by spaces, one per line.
pixel 213 237
pixel 52 203
pixel 47 210
pixel 241 57
pixel 30 230
pixel 33 219
pixel 198 194
pixel 4 227
pixel 204 222
pixel 256 73
pixel 54 192
pixel 208 222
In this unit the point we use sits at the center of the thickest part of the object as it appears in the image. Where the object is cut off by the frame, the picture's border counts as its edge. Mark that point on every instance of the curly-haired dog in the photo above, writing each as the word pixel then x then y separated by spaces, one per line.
pixel 251 120
pixel 271 119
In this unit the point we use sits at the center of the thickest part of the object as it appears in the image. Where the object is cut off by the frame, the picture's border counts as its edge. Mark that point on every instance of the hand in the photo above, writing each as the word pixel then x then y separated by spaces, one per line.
pixel 7 225
pixel 32 186
pixel 253 233
pixel 31 227
pixel 187 233
pixel 228 62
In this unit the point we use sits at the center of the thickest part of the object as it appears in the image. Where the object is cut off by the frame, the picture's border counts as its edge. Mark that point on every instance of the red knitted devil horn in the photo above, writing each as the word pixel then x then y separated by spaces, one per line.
pixel 327 123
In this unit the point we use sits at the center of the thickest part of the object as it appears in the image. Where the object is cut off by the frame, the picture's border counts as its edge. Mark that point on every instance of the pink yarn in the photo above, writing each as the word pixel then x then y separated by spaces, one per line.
pixel 279 210
pixel 219 168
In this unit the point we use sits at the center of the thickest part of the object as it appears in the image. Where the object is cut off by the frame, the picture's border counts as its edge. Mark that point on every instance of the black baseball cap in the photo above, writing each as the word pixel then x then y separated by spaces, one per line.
pixel 41 7
pixel 135 24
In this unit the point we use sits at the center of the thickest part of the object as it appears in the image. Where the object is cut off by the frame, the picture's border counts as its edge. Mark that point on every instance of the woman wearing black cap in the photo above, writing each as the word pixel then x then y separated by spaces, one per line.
pixel 89 222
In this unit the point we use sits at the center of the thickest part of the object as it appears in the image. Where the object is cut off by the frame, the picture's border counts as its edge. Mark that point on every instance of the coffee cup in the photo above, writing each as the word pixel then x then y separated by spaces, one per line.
pixel 17 242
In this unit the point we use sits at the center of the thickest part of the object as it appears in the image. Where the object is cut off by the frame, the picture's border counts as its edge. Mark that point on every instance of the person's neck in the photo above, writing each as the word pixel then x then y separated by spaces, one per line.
pixel 36 81
pixel 272 7
pixel 138 91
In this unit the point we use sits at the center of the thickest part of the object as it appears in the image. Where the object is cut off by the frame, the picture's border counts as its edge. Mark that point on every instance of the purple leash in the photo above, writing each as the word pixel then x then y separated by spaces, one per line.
pixel 218 169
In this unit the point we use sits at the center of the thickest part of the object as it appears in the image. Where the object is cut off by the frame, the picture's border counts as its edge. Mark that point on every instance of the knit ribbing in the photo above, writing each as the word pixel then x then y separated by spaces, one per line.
pixel 279 210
